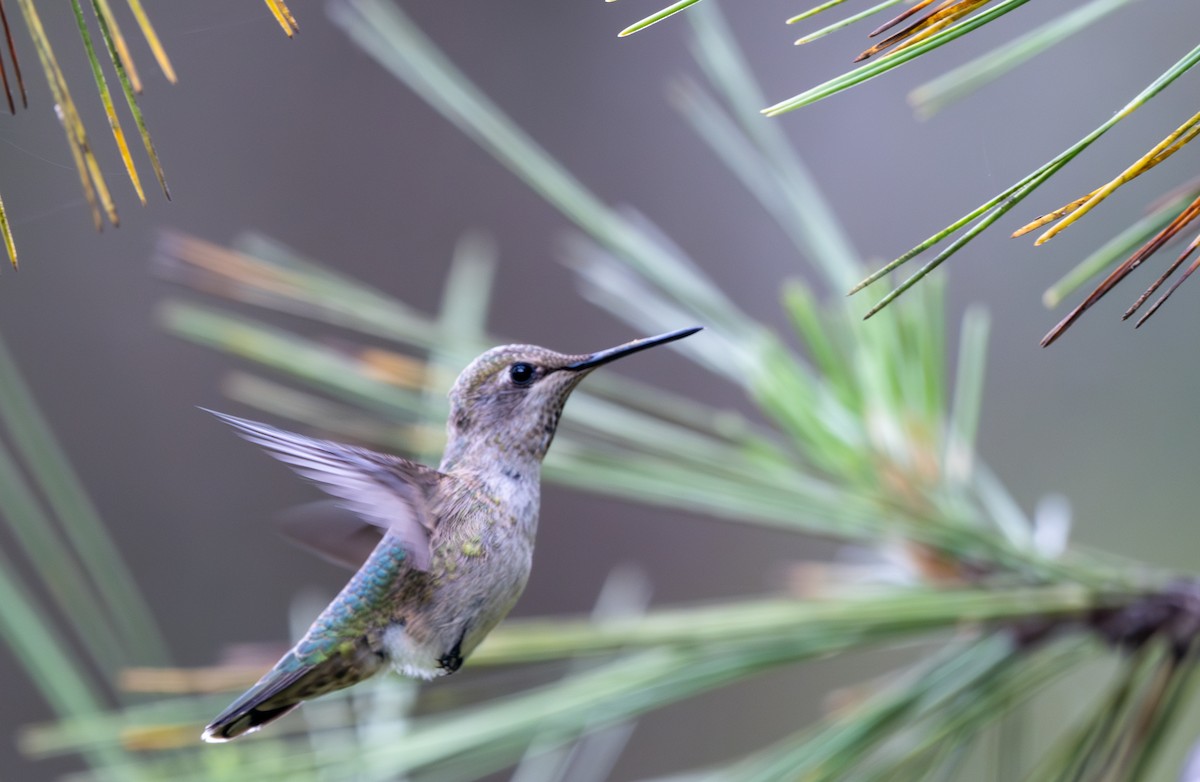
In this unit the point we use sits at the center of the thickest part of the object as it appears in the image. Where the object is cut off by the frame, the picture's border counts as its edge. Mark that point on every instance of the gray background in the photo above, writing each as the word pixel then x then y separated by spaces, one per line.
pixel 311 142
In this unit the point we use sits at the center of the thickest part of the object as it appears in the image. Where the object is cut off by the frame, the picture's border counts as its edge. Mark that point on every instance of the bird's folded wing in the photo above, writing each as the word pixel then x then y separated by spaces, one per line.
pixel 383 490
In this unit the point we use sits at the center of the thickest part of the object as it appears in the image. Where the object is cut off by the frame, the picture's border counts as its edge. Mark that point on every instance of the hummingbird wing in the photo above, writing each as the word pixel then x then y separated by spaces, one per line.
pixel 332 532
pixel 385 491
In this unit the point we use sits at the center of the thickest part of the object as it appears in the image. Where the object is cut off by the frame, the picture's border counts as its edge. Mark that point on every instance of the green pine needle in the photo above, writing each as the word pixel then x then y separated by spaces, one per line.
pixel 655 18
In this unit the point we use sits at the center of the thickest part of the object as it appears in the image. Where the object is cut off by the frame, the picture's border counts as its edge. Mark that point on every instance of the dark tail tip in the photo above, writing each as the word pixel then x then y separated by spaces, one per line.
pixel 240 721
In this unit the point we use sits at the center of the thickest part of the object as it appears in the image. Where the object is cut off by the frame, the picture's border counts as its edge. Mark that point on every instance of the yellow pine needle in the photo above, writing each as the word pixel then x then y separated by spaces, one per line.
pixel 126 158
pixel 1066 209
pixel 1174 142
pixel 122 46
pixel 283 16
pixel 1050 217
pixel 151 37
pixel 290 16
pixel 93 168
pixel 114 122
pixel 94 188
pixel 89 191
pixel 77 134
pixel 6 233
pixel 1144 163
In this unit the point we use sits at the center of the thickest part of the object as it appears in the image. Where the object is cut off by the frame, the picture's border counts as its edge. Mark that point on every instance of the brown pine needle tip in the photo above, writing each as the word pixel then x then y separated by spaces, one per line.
pixel 1053 334
pixel 947 13
pixel 1153 309
pixel 1163 299
pixel 1161 279
pixel 899 18
pixel 889 42
pixel 1190 213
pixel 1100 291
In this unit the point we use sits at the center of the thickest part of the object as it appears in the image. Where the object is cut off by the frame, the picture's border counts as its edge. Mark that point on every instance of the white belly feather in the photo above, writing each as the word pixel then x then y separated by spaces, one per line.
pixel 408 658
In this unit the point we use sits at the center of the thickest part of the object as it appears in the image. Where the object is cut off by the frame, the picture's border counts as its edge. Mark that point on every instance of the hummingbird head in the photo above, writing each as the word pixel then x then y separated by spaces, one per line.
pixel 510 398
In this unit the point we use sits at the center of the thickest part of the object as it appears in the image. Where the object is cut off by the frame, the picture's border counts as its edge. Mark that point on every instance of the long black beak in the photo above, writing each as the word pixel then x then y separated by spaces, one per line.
pixel 620 351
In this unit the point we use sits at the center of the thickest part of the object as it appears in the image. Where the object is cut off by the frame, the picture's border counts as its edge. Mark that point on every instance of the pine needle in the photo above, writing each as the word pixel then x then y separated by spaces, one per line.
pixel 878 67
pixel 1122 271
pixel 1163 299
pixel 6 234
pixel 12 53
pixel 160 54
pixel 990 211
pixel 4 77
pixel 849 20
pixel 92 179
pixel 122 47
pixel 1158 216
pixel 916 8
pixel 964 79
pixel 655 18
pixel 106 98
pixel 1076 209
pixel 816 9
pixel 284 16
pixel 130 99
pixel 949 12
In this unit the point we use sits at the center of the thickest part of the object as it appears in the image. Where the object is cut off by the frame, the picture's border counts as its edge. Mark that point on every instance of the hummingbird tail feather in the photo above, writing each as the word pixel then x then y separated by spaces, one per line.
pixel 288 684
pixel 274 696
pixel 231 725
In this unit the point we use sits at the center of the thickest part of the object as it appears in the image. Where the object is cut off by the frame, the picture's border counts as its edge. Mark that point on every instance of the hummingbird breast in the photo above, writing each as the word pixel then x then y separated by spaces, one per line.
pixel 482 552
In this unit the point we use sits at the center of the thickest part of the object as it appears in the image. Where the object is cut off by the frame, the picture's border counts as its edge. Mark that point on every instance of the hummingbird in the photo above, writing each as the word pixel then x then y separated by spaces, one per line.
pixel 451 548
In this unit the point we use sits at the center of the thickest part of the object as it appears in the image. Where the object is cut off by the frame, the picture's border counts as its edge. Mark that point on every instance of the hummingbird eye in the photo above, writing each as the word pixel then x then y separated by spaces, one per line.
pixel 522 373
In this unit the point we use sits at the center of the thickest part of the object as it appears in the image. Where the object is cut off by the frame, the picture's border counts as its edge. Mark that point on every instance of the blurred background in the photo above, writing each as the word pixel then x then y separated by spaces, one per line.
pixel 309 141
